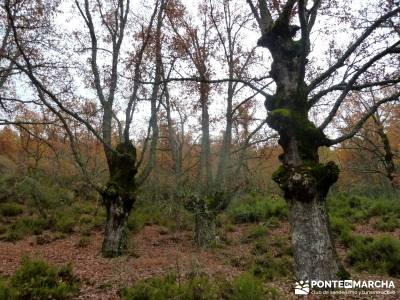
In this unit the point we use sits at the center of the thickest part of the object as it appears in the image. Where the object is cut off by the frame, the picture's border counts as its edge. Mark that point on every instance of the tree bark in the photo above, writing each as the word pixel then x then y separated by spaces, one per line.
pixel 118 198
pixel 388 154
pixel 303 179
pixel 115 241
pixel 205 234
pixel 314 252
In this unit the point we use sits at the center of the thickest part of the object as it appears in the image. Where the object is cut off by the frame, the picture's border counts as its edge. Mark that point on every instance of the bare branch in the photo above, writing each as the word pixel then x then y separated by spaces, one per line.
pixel 358 87
pixel 340 62
pixel 393 49
pixel 360 123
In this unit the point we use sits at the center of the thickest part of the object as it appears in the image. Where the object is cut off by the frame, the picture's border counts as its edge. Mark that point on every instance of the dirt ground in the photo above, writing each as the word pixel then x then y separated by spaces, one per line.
pixel 155 252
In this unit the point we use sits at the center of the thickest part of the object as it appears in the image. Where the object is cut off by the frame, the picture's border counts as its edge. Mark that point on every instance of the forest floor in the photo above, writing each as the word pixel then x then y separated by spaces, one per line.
pixel 155 252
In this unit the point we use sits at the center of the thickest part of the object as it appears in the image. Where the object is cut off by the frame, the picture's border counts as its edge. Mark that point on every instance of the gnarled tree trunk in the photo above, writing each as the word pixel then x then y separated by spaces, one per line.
pixel 118 198
pixel 303 179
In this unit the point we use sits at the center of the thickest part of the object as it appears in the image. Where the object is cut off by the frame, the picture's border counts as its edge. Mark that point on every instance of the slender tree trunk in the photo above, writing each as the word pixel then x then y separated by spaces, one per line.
pixel 225 153
pixel 205 155
pixel 118 198
pixel 388 154
pixel 173 142
pixel 204 232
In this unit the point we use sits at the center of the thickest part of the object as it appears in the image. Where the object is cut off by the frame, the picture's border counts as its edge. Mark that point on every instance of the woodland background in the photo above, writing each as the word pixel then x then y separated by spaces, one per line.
pixel 184 84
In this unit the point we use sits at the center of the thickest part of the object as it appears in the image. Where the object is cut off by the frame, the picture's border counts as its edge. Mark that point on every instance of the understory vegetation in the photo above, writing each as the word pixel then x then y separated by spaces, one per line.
pixel 36 280
pixel 219 149
pixel 243 287
pixel 365 225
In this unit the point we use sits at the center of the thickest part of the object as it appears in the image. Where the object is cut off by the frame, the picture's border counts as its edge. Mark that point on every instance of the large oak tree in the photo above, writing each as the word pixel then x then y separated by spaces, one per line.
pixel 286 30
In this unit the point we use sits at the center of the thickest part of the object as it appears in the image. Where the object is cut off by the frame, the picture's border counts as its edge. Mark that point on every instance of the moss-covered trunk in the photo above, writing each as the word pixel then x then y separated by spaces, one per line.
pixel 204 234
pixel 118 198
pixel 205 210
pixel 115 241
pixel 303 179
pixel 305 187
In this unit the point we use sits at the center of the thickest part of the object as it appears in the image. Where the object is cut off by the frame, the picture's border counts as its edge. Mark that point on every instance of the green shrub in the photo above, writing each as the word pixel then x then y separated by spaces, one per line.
pixel 229 227
pixel 361 208
pixel 379 255
pixel 83 242
pixel 279 246
pixel 86 224
pixel 99 219
pixel 258 209
pixel 272 222
pixel 342 229
pixel 13 236
pixel 133 224
pixel 37 280
pixel 169 215
pixel 269 267
pixel 65 223
pixel 387 223
pixel 41 192
pixel 84 207
pixel 85 219
pixel 3 229
pixel 255 233
pixel 26 226
pixel 43 239
pixel 261 246
pixel 246 287
pixel 167 288
pixel 351 207
pixel 11 209
pixel 243 287
pixel 6 292
pixel 383 207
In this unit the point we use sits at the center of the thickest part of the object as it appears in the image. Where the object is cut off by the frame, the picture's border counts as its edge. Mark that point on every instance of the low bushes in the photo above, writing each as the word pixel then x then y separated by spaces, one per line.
pixel 358 208
pixel 376 255
pixel 257 209
pixel 256 232
pixel 164 213
pixel 11 209
pixel 26 226
pixel 243 287
pixel 65 223
pixel 342 230
pixel 36 280
pixel 387 223
pixel 269 267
